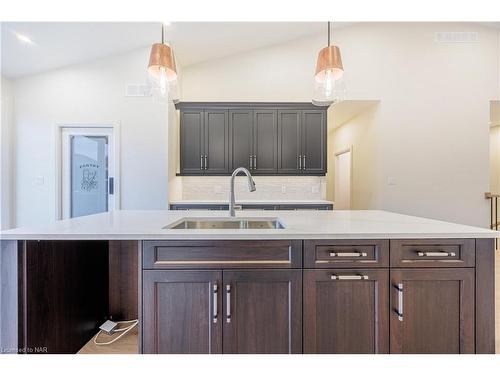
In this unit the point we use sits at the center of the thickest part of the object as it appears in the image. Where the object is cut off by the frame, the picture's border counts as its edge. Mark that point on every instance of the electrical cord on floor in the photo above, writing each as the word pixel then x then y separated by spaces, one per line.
pixel 124 331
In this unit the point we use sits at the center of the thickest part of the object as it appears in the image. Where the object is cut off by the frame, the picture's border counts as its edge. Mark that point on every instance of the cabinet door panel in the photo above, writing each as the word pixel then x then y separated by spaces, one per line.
pixel 216 142
pixel 241 129
pixel 289 141
pixel 178 312
pixel 265 145
pixel 265 311
pixel 191 138
pixel 314 142
pixel 438 311
pixel 346 316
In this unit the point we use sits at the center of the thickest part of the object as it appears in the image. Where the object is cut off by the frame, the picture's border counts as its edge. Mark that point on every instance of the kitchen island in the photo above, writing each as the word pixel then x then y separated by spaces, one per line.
pixel 327 282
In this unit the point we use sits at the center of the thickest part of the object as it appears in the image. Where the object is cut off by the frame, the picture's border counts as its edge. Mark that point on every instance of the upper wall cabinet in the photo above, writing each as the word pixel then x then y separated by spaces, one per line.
pixel 265 138
pixel 204 141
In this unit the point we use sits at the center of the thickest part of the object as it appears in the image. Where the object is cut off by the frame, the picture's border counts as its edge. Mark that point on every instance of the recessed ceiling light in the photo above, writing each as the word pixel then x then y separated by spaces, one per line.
pixel 24 38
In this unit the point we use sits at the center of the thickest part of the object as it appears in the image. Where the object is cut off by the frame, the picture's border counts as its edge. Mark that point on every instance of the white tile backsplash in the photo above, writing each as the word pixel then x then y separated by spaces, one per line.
pixel 268 188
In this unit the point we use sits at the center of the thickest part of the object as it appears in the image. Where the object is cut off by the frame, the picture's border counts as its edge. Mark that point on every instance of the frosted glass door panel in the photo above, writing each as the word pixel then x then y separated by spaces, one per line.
pixel 89 174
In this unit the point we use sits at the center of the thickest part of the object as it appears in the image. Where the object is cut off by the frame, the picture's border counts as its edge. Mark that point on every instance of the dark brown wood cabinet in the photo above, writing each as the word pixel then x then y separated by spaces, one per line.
pixel 346 311
pixel 266 138
pixel 182 312
pixel 263 311
pixel 249 311
pixel 432 310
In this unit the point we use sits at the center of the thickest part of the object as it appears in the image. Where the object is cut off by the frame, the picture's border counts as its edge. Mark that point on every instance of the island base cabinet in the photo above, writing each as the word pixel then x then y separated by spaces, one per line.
pixel 195 311
pixel 432 311
pixel 263 312
pixel 181 312
pixel 346 311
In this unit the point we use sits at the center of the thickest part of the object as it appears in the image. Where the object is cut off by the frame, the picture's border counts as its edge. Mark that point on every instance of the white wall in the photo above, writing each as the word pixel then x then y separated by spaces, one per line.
pixel 431 124
pixel 495 160
pixel 93 92
pixel 6 153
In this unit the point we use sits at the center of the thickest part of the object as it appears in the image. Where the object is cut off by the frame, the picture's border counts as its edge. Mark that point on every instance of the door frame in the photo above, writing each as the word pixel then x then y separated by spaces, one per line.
pixel 343 151
pixel 58 130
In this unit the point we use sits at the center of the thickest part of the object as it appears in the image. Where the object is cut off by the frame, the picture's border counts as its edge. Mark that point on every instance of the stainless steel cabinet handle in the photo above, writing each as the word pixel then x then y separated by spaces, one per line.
pixel 354 254
pixel 250 160
pixel 304 162
pixel 349 277
pixel 399 311
pixel 214 301
pixel 300 162
pixel 206 162
pixel 436 254
pixel 255 162
pixel 228 303
pixel 201 162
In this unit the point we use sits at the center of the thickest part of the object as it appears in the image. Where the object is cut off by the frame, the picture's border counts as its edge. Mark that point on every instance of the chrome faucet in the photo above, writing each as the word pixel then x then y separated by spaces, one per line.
pixel 251 187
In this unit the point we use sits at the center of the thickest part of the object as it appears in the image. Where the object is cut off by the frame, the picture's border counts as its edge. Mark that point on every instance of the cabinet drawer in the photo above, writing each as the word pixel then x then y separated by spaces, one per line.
pixel 222 254
pixel 433 253
pixel 346 253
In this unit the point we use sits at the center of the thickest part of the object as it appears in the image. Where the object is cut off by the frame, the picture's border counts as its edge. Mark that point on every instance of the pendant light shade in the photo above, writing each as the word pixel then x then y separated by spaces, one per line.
pixel 329 87
pixel 329 62
pixel 162 71
pixel 161 61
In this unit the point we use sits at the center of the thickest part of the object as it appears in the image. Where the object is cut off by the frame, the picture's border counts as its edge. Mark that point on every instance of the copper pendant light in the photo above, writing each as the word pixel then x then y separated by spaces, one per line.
pixel 161 66
pixel 329 62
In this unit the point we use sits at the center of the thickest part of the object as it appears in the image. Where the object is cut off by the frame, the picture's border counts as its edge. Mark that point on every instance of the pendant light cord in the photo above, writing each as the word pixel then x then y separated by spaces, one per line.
pixel 328 33
pixel 162 34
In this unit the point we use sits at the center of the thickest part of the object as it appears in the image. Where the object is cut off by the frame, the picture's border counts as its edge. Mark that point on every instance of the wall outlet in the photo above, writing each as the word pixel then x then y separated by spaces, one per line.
pixel 391 181
pixel 315 189
pixel 283 189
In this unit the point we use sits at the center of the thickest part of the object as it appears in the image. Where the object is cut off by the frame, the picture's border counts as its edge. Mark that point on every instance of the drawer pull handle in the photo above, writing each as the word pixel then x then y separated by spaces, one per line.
pixel 348 277
pixel 399 311
pixel 215 292
pixel 228 303
pixel 436 254
pixel 350 255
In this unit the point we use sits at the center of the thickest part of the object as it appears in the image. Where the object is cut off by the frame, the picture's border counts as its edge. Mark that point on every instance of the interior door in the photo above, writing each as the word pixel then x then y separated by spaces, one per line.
pixel 182 312
pixel 346 311
pixel 432 311
pixel 314 142
pixel 241 129
pixel 342 183
pixel 289 143
pixel 265 150
pixel 216 150
pixel 89 181
pixel 262 311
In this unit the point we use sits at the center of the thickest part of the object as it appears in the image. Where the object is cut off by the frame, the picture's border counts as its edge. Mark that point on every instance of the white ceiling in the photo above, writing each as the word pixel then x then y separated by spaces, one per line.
pixel 58 44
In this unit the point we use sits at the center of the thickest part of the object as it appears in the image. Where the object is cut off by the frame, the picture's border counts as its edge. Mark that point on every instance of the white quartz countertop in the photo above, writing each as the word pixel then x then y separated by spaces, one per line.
pixel 138 225
pixel 250 201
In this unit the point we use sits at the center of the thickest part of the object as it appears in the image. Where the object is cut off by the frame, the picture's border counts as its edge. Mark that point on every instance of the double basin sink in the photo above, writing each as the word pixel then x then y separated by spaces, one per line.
pixel 226 223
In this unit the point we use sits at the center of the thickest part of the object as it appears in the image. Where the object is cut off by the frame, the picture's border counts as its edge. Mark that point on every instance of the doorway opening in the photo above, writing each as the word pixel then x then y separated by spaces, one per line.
pixel 343 179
